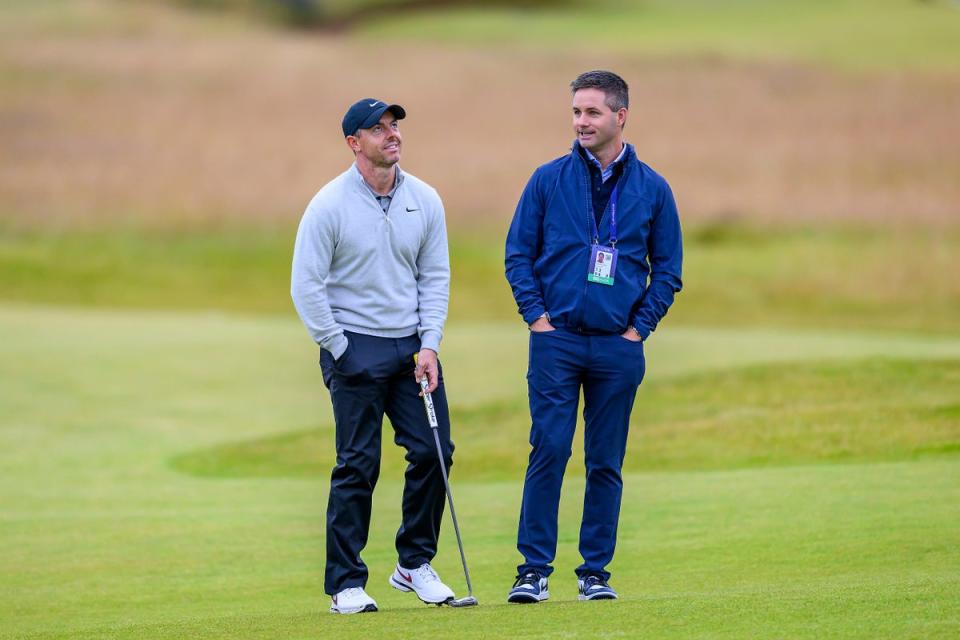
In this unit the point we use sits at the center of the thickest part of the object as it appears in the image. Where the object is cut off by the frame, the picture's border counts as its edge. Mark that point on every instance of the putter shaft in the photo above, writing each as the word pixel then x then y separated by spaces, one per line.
pixel 432 419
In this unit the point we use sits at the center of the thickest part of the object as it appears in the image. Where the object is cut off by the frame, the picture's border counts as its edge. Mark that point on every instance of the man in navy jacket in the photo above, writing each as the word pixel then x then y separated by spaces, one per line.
pixel 593 256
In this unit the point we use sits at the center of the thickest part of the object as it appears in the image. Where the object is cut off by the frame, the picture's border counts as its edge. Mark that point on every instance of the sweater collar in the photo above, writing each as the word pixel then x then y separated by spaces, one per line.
pixel 396 184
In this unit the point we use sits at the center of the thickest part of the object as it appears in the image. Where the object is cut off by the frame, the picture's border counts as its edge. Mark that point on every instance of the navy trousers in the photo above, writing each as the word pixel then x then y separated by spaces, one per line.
pixel 375 376
pixel 608 368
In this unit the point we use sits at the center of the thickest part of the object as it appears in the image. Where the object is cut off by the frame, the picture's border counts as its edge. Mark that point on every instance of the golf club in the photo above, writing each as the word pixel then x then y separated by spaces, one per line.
pixel 469 600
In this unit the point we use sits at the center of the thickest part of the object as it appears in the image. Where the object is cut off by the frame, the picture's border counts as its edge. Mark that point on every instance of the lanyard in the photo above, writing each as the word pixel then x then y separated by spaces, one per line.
pixel 613 220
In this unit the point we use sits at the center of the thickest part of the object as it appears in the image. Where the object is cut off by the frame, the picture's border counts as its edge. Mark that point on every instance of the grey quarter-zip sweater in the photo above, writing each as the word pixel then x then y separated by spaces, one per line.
pixel 359 269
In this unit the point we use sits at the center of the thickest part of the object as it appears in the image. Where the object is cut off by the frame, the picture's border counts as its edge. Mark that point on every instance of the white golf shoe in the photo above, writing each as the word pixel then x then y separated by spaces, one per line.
pixel 423 581
pixel 352 600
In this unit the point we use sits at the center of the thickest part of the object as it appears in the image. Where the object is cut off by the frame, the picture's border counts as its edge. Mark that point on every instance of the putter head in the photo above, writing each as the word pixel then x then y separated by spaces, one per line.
pixel 468 601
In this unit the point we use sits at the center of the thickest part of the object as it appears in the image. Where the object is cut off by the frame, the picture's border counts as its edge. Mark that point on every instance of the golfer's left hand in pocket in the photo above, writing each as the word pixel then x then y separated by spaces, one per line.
pixel 427 366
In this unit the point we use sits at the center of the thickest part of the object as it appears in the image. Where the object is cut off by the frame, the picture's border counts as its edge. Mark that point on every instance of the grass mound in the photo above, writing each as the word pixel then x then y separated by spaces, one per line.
pixel 771 415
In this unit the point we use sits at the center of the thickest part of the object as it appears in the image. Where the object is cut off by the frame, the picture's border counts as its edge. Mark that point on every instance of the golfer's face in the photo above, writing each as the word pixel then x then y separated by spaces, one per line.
pixel 595 124
pixel 381 143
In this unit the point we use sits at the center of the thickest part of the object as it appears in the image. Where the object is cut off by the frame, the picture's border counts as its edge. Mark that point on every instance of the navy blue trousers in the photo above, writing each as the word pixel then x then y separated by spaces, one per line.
pixel 375 376
pixel 609 369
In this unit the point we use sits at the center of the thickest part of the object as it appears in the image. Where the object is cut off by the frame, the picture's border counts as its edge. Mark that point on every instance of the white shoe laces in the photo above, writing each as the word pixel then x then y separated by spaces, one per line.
pixel 427 574
pixel 353 592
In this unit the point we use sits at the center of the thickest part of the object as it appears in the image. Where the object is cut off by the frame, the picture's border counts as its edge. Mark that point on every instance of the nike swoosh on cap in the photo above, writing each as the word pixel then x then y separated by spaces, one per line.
pixel 373 104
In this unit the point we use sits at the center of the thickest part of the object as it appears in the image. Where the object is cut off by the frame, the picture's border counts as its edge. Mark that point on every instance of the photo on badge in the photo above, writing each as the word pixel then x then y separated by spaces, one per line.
pixel 603 265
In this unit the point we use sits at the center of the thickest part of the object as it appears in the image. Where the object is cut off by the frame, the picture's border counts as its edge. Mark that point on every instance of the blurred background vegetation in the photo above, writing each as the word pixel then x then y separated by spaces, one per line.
pixel 158 155
pixel 340 14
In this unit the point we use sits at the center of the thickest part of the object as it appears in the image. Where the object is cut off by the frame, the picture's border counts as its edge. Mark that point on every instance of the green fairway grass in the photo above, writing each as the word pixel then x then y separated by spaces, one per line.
pixel 843 551
pixel 113 528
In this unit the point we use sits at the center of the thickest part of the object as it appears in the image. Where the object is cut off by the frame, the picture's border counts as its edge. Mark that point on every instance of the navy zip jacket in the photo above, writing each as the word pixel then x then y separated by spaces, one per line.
pixel 550 239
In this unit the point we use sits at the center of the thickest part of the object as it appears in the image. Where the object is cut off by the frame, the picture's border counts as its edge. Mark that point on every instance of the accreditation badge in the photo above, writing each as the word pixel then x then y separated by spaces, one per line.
pixel 603 265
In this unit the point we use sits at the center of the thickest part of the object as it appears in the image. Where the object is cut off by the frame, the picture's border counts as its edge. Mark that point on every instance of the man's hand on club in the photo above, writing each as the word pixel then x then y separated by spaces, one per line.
pixel 427 366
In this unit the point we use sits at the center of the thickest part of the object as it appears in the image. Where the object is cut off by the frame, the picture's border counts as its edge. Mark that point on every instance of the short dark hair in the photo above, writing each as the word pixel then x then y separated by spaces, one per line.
pixel 612 85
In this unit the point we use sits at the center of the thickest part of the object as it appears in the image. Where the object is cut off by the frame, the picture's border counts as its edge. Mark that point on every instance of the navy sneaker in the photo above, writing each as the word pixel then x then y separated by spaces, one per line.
pixel 595 588
pixel 531 587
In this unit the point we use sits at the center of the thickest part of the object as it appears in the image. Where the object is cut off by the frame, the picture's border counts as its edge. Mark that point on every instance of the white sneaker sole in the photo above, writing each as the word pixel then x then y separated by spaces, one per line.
pixel 528 598
pixel 344 611
pixel 599 596
pixel 401 586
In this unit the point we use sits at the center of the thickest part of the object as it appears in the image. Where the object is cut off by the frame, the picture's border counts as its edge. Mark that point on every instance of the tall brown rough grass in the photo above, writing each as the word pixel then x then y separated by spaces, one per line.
pixel 171 124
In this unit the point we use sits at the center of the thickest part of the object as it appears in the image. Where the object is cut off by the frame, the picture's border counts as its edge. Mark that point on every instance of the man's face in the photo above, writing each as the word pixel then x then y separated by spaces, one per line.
pixel 595 124
pixel 380 144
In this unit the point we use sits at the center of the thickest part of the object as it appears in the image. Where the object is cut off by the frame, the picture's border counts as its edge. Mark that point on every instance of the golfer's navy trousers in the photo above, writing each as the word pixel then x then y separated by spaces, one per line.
pixel 375 376
pixel 608 368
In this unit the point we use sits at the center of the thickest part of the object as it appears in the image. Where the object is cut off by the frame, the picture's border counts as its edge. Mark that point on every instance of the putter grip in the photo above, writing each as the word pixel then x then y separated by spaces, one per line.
pixel 427 400
pixel 428 404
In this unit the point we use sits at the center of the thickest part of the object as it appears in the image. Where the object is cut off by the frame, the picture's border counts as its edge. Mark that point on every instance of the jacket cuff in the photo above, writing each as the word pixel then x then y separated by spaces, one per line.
pixel 533 315
pixel 642 329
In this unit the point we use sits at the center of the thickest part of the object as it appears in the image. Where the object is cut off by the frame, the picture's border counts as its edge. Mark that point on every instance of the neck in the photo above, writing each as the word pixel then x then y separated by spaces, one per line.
pixel 380 178
pixel 609 153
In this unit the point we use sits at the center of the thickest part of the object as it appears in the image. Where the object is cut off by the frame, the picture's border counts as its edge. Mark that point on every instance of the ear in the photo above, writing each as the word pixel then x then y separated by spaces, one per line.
pixel 622 117
pixel 353 144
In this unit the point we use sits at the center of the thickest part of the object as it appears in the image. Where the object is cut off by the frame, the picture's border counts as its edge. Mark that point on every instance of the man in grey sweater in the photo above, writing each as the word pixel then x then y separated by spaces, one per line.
pixel 370 281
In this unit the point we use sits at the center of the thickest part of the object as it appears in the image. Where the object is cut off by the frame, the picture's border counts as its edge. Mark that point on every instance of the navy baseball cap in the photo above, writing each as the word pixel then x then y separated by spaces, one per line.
pixel 365 113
